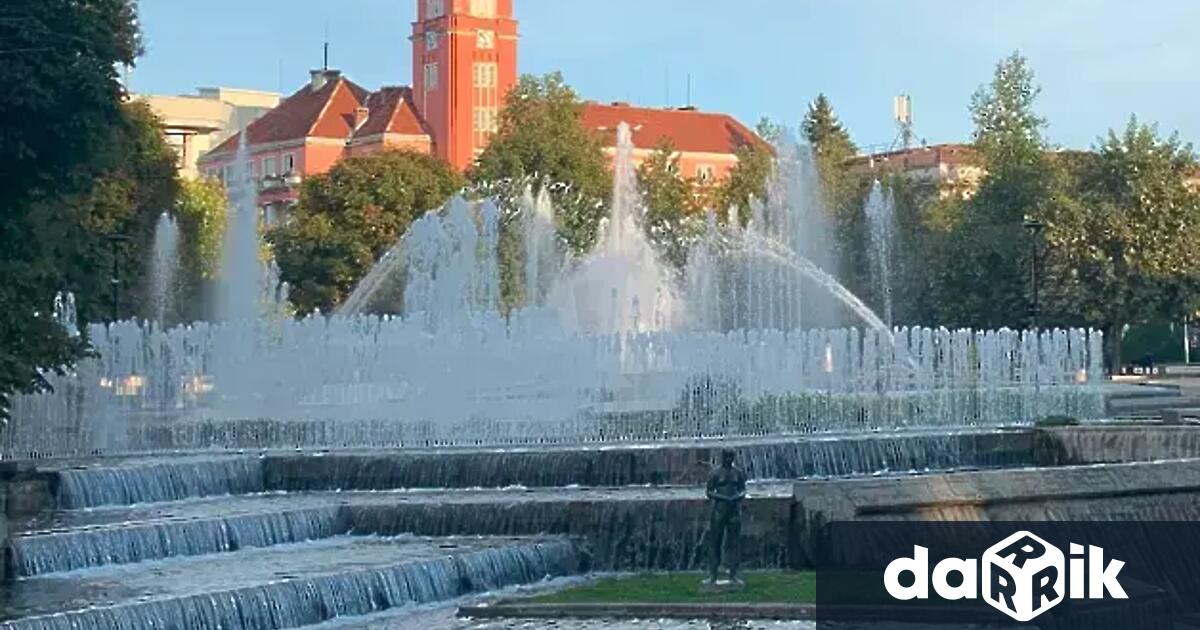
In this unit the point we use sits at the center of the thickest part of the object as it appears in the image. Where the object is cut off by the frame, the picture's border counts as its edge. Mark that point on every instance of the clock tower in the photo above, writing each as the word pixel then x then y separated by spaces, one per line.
pixel 464 56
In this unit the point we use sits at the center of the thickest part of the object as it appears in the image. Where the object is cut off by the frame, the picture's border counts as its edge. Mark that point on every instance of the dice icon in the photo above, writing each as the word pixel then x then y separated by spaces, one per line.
pixel 1023 576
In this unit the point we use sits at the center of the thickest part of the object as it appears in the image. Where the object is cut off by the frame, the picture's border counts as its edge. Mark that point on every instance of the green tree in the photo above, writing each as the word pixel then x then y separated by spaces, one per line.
pixel 61 110
pixel 983 277
pixel 770 131
pixel 347 218
pixel 542 140
pixel 843 191
pixel 200 210
pixel 1124 252
pixel 670 199
pixel 139 183
pixel 746 181
pixel 829 140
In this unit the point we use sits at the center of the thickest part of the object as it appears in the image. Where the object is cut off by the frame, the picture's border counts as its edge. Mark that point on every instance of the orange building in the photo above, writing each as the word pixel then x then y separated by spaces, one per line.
pixel 464 60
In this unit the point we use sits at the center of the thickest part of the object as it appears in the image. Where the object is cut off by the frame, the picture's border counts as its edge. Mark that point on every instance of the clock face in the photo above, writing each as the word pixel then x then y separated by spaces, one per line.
pixel 486 39
pixel 431 40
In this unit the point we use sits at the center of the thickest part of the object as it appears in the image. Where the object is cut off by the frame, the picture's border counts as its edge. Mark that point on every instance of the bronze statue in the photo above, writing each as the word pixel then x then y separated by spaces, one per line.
pixel 726 490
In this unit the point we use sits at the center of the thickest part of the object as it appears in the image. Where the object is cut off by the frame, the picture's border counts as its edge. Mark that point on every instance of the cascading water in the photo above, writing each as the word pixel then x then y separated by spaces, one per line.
pixel 881 226
pixel 163 267
pixel 622 285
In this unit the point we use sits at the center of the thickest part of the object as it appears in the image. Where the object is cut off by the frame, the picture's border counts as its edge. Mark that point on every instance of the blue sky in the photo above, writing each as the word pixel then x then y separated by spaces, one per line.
pixel 1098 60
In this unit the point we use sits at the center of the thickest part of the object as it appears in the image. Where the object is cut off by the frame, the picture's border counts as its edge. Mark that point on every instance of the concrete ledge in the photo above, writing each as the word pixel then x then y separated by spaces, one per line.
pixel 1116 442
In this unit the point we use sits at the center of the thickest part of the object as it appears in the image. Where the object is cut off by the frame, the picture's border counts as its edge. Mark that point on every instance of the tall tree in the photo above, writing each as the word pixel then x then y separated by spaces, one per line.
pixel 347 218
pixel 984 281
pixel 825 134
pixel 138 184
pixel 843 191
pixel 542 140
pixel 62 105
pixel 1124 253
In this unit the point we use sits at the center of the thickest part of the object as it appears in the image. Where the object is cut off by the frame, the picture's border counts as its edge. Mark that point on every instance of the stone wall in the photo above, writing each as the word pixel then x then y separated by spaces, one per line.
pixel 24 492
pixel 675 463
pixel 1144 491
pixel 1110 443
pixel 623 535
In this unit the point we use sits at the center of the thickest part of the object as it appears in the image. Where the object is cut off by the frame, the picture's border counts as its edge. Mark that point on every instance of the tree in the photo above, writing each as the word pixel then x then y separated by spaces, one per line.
pixel 825 134
pixel 984 269
pixel 1124 253
pixel 138 184
pixel 843 192
pixel 200 210
pixel 61 108
pixel 347 218
pixel 747 180
pixel 542 140
pixel 671 203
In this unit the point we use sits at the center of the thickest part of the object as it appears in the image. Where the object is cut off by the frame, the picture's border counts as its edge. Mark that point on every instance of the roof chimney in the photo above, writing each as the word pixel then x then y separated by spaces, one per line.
pixel 319 78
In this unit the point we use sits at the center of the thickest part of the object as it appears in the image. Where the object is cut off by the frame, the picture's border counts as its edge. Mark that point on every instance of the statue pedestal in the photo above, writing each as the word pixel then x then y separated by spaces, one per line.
pixel 708 587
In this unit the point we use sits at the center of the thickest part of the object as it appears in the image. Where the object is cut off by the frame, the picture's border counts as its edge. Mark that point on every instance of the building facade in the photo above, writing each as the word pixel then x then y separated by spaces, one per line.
pixel 953 168
pixel 464 63
pixel 194 124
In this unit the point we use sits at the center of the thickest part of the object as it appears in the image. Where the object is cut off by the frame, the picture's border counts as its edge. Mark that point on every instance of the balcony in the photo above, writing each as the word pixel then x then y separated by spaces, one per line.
pixel 271 183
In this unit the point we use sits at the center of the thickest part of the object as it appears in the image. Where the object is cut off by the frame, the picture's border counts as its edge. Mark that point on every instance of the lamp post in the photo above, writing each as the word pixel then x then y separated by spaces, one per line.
pixel 115 239
pixel 1035 228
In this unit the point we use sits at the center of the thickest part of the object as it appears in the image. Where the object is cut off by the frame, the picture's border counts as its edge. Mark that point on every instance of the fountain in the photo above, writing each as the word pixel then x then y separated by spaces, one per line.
pixel 248 288
pixel 621 286
pixel 428 441
pixel 540 244
pixel 881 226
pixel 758 277
pixel 607 347
pixel 163 267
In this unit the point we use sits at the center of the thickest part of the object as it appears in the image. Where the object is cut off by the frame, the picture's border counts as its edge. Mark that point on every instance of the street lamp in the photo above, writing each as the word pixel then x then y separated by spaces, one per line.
pixel 1035 228
pixel 115 239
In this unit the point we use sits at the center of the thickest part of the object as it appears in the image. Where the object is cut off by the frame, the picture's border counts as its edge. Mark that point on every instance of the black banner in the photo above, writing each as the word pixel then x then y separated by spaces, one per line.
pixel 1047 575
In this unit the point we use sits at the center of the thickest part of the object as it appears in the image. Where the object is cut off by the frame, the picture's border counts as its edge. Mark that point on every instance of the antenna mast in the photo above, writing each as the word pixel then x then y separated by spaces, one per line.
pixel 902 113
pixel 325 62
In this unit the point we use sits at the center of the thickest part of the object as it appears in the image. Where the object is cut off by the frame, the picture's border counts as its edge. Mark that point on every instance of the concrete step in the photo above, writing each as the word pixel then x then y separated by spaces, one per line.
pixel 287 586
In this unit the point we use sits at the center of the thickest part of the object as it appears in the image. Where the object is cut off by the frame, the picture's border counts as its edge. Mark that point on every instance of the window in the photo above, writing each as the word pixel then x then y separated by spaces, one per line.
pixel 434 8
pixel 431 40
pixel 485 39
pixel 269 167
pixel 485 75
pixel 431 76
pixel 289 163
pixel 483 8
pixel 227 175
pixel 486 102
pixel 487 120
pixel 705 172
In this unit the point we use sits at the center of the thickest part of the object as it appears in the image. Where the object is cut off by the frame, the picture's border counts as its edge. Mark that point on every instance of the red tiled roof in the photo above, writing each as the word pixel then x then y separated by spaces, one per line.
pixel 689 130
pixel 392 111
pixel 324 113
